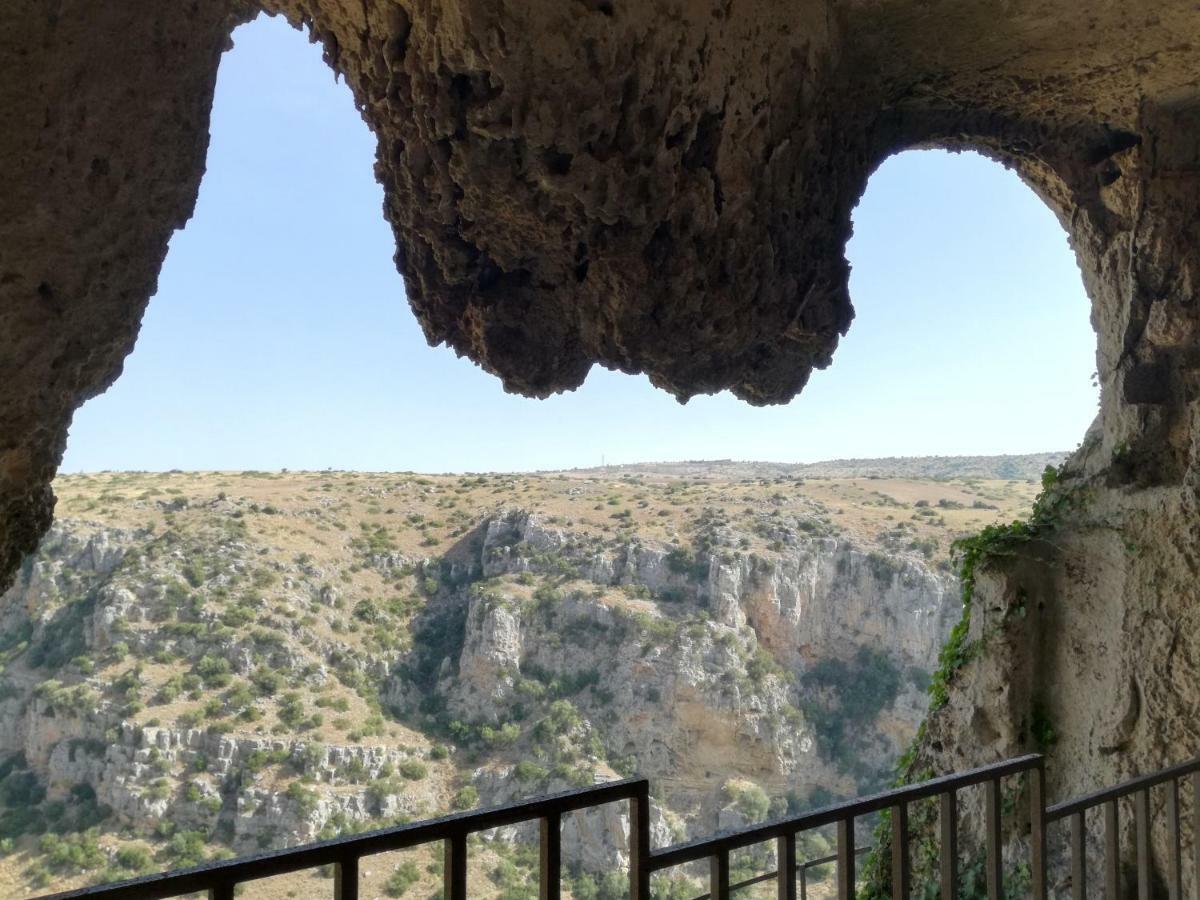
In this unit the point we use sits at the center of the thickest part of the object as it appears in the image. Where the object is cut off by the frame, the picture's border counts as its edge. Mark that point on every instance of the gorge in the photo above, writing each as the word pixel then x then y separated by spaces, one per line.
pixel 204 663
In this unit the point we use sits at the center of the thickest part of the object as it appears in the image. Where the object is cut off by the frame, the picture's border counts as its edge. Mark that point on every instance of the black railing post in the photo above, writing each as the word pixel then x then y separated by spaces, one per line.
pixel 1141 825
pixel 948 819
pixel 718 875
pixel 1078 856
pixel 901 865
pixel 994 840
pixel 1037 830
pixel 454 874
pixel 551 857
pixel 785 871
pixel 345 879
pixel 1174 847
pixel 639 842
pixel 222 891
pixel 1196 833
pixel 1112 851
pixel 845 858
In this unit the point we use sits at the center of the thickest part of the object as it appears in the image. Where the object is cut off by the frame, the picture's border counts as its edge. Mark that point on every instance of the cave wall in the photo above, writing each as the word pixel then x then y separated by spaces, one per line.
pixel 1086 640
pixel 666 187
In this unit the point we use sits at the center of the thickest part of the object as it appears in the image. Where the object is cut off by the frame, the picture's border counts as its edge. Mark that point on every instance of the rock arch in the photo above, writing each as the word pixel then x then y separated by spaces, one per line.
pixel 665 187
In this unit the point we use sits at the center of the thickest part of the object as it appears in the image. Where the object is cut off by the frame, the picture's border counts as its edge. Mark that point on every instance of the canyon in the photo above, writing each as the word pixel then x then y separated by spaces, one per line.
pixel 200 664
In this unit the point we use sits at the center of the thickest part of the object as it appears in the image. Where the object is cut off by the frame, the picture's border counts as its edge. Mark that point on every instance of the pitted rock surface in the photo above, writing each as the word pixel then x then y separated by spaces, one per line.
pixel 660 187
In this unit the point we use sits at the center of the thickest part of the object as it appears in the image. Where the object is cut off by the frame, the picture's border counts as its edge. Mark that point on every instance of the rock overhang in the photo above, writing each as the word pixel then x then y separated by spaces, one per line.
pixel 661 187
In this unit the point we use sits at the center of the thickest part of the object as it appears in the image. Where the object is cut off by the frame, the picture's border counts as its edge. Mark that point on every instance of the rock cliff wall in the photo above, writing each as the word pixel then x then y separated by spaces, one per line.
pixel 563 659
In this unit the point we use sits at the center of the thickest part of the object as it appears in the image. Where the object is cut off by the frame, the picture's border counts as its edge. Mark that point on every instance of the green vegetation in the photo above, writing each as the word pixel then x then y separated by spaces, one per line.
pixel 851 694
pixel 406 875
pixel 274 605
pixel 466 798
pixel 750 799
pixel 991 545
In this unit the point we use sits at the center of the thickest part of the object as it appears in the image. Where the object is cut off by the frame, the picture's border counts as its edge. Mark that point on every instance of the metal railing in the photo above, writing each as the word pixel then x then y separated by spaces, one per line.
pixel 773 875
pixel 716 849
pixel 1075 812
pixel 219 879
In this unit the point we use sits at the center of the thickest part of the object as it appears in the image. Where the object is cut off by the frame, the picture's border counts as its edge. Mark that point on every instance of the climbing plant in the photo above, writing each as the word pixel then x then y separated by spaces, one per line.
pixel 971 553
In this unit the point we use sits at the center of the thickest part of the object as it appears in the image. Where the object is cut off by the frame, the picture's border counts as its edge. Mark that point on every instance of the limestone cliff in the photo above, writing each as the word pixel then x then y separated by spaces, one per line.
pixel 191 677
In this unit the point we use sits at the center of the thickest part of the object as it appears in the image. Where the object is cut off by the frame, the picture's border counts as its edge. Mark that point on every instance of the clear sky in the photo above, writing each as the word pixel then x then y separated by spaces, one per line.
pixel 280 335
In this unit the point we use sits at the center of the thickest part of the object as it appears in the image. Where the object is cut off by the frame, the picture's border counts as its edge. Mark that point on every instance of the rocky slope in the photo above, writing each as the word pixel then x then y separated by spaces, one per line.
pixel 206 664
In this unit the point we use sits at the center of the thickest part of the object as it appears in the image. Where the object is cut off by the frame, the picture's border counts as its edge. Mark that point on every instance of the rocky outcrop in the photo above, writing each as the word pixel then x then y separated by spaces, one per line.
pixel 1083 644
pixel 596 837
pixel 827 593
pixel 197 780
pixel 699 659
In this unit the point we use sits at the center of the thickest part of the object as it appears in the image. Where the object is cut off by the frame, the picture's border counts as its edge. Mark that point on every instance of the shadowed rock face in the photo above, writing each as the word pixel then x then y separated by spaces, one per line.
pixel 660 186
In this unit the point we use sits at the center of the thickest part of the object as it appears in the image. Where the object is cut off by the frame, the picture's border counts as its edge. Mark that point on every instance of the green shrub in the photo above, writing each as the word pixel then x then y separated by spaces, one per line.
pixel 305 799
pixel 266 682
pixel 185 848
pixel 213 671
pixel 413 770
pixel 291 709
pixel 527 770
pixel 134 859
pixel 406 875
pixel 750 799
pixel 466 798
pixel 73 852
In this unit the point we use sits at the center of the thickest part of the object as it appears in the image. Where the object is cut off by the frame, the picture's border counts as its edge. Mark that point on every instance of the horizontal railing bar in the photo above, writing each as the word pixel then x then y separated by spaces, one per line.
pixel 310 856
pixel 767 876
pixel 749 882
pixel 691 851
pixel 1125 789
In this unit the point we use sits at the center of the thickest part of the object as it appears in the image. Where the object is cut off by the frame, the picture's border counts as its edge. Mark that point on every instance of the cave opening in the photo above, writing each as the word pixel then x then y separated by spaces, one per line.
pixel 242 521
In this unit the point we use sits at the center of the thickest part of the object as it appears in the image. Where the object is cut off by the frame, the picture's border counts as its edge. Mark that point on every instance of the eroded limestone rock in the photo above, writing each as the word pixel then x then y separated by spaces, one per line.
pixel 661 187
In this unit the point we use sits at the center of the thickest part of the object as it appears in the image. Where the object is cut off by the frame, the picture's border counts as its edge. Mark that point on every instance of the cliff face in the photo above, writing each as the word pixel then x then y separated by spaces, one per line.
pixel 194 672
pixel 691 705
pixel 1082 644
pixel 697 663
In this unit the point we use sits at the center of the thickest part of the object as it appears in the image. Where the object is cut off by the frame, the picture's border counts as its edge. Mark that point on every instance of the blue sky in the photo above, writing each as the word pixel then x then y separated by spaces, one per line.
pixel 280 335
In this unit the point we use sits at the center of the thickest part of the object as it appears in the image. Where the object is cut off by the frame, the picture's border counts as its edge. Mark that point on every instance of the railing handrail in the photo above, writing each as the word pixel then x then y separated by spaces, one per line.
pixel 1125 789
pixel 774 873
pixel 336 850
pixel 219 878
pixel 703 848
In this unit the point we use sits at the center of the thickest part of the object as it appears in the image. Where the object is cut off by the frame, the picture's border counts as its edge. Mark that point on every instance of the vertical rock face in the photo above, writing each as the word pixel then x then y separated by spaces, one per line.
pixel 691 693
pixel 1086 637
pixel 836 596
pixel 106 131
